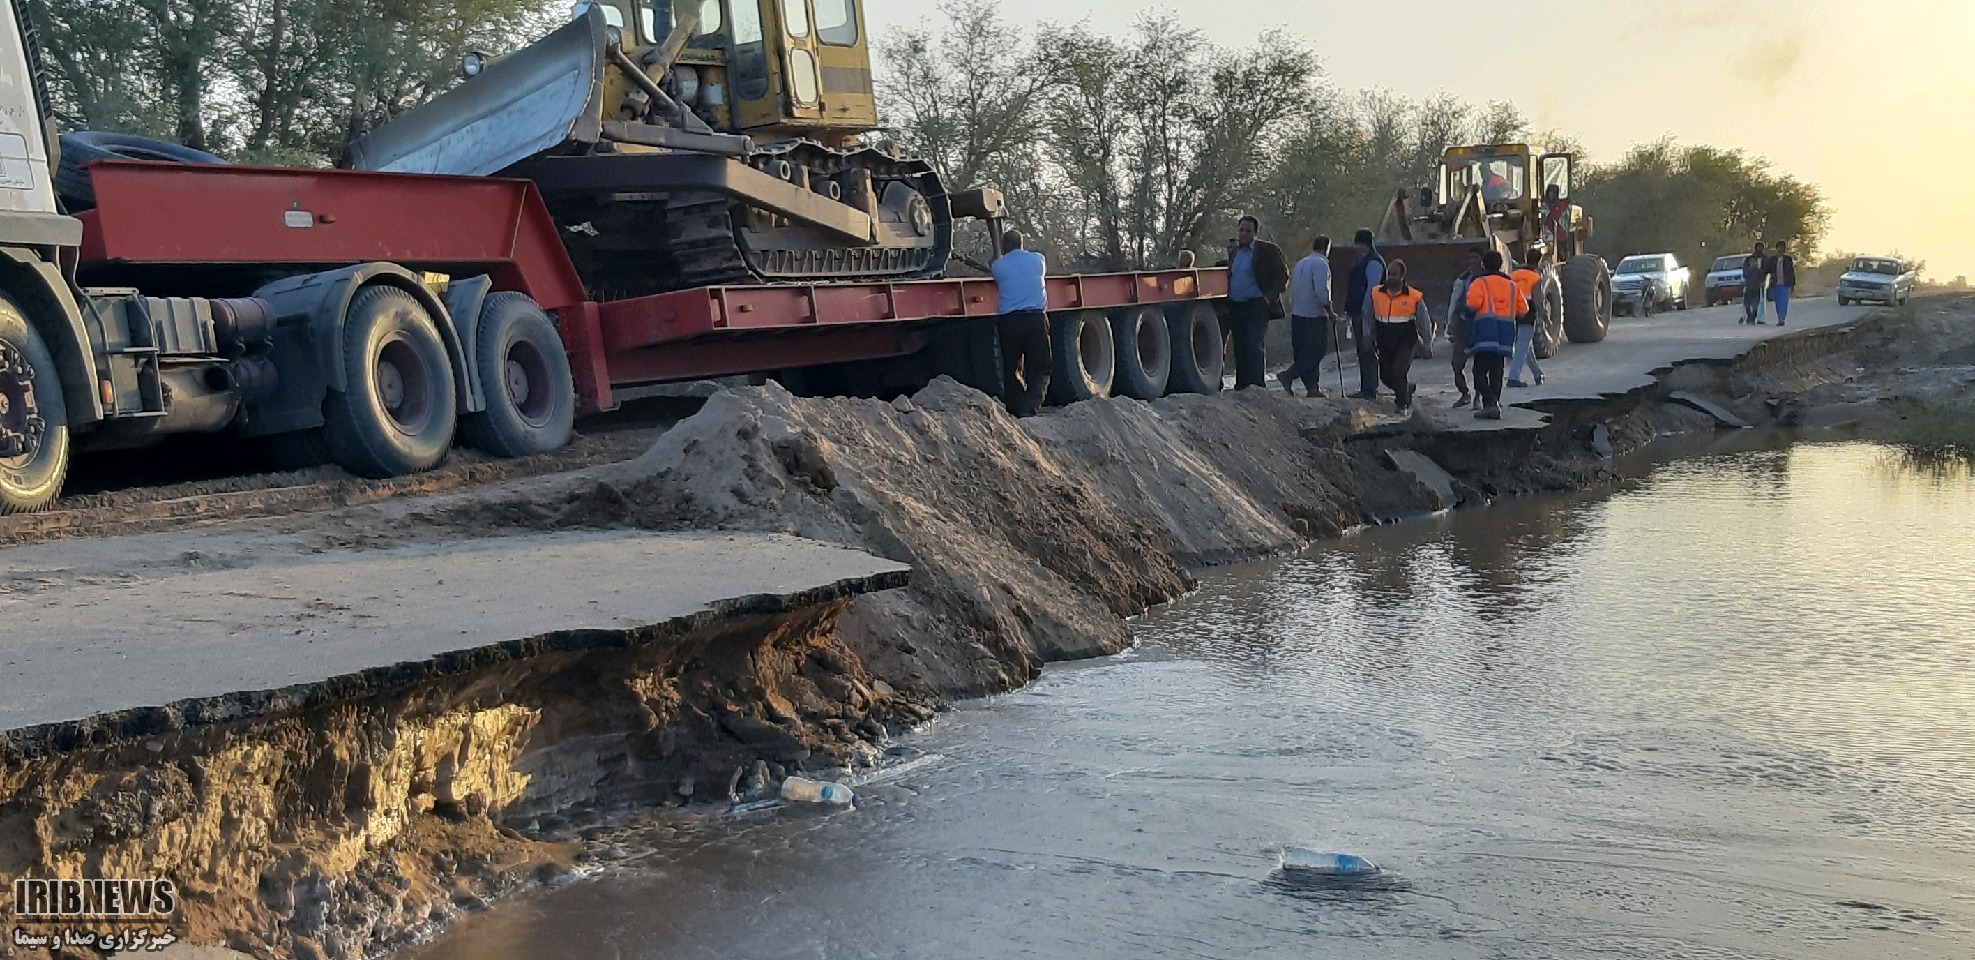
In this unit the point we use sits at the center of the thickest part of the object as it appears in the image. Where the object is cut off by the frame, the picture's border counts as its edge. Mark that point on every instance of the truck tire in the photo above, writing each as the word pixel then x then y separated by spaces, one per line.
pixel 1587 299
pixel 1083 356
pixel 84 147
pixel 397 412
pixel 1550 334
pixel 29 386
pixel 1197 357
pixel 524 373
pixel 1144 349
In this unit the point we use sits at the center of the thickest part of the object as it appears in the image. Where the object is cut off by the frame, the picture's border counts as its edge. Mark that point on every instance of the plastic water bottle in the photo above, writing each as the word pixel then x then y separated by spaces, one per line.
pixel 1306 860
pixel 805 790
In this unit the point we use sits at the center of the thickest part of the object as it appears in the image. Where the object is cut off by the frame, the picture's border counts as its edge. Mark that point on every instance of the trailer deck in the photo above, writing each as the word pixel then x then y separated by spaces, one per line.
pixel 156 215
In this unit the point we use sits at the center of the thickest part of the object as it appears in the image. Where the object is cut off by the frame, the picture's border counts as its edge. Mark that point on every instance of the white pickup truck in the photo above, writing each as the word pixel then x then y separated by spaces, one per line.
pixel 1644 282
pixel 1879 279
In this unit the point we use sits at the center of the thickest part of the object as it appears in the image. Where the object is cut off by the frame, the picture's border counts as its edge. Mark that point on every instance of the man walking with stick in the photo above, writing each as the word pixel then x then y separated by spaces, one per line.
pixel 1309 318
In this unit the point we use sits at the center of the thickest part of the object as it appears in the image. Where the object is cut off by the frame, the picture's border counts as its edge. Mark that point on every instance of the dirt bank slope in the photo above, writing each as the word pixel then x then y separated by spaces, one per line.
pixel 1030 541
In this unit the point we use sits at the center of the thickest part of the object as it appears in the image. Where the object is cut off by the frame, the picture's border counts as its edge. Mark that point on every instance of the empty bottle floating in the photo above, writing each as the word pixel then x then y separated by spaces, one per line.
pixel 1306 860
pixel 805 790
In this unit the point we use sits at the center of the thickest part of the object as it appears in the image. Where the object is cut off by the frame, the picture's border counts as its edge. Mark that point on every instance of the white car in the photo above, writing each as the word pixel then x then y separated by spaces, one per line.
pixel 1724 284
pixel 1881 279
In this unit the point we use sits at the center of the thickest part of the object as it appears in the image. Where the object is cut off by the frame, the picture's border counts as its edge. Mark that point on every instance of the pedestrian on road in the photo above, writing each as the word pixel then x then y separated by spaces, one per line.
pixel 1309 318
pixel 1460 320
pixel 1528 280
pixel 1404 327
pixel 1023 325
pixel 1496 304
pixel 1782 279
pixel 1366 275
pixel 1257 277
pixel 1754 266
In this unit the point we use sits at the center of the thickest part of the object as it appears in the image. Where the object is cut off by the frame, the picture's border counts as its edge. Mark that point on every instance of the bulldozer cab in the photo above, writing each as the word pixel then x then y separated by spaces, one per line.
pixel 770 69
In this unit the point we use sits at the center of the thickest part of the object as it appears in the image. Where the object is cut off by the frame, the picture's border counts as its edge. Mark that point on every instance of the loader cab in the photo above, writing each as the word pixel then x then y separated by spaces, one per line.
pixel 1501 173
pixel 774 69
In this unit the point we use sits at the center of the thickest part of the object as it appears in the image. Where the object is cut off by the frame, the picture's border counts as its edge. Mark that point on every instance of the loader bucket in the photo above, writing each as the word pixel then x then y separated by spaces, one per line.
pixel 1431 267
pixel 540 99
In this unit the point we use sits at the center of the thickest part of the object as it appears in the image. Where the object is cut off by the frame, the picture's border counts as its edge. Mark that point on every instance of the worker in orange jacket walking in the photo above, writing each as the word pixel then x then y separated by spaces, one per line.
pixel 1497 304
pixel 1403 330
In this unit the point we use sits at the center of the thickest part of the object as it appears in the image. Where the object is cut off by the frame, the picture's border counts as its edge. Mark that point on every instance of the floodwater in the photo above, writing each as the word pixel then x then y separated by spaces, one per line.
pixel 1725 713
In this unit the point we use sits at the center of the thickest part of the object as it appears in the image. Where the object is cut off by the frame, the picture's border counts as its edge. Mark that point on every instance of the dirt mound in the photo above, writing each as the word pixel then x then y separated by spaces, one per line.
pixel 1030 541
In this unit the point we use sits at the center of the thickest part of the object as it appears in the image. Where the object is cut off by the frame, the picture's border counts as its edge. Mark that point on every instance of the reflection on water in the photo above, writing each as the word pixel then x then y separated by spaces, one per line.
pixel 1722 714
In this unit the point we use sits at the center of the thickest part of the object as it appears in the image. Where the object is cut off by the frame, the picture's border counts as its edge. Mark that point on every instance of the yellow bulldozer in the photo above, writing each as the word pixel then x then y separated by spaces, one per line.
pixel 1509 199
pixel 693 143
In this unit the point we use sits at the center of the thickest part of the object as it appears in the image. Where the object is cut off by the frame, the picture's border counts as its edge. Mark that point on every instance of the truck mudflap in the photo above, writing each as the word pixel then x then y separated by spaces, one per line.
pixel 308 342
pixel 537 100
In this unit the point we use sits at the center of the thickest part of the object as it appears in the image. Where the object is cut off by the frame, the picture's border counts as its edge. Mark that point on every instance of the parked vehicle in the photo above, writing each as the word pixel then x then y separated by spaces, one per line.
pixel 1878 279
pixel 1644 282
pixel 1724 282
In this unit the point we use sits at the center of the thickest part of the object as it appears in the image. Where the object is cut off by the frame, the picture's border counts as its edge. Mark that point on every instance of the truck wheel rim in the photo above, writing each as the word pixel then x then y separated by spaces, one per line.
pixel 526 375
pixel 21 426
pixel 404 386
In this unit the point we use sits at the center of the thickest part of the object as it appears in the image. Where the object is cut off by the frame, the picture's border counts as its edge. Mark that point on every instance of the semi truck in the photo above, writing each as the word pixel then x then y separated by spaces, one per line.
pixel 369 318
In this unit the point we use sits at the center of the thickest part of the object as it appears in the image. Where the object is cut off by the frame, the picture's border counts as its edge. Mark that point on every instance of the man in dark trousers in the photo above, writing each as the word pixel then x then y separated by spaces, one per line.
pixel 1257 276
pixel 1460 321
pixel 1367 274
pixel 1023 325
pixel 1754 267
pixel 1497 304
pixel 1309 318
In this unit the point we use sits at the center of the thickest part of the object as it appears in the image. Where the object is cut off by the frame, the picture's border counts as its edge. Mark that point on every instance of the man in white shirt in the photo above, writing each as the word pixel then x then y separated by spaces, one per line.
pixel 1023 325
pixel 1309 318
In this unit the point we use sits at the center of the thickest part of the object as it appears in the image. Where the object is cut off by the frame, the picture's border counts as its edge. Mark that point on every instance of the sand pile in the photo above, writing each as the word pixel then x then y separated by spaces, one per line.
pixel 1030 541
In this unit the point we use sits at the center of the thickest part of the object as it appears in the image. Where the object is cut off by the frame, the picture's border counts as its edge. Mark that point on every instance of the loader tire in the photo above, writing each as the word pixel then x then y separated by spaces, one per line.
pixel 1587 299
pixel 1145 352
pixel 397 411
pixel 84 147
pixel 524 374
pixel 1083 356
pixel 1197 354
pixel 34 407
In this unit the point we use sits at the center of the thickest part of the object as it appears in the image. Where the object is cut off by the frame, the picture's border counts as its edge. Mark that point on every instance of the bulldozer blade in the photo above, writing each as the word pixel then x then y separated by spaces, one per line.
pixel 1431 266
pixel 535 101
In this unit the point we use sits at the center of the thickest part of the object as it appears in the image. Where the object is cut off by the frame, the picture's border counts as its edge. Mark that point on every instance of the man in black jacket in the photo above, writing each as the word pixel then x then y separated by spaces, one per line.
pixel 1367 274
pixel 1257 277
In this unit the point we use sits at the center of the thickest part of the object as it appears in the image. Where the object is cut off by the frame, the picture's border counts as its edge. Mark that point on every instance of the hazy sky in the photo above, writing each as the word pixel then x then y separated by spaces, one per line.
pixel 1869 99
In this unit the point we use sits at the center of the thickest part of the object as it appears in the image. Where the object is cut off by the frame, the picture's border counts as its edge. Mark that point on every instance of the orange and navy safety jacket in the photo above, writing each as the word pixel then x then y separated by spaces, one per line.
pixel 1496 304
pixel 1526 281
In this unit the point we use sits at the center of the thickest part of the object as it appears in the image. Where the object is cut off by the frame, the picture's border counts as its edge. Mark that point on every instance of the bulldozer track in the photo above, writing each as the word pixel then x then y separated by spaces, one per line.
pixel 188 505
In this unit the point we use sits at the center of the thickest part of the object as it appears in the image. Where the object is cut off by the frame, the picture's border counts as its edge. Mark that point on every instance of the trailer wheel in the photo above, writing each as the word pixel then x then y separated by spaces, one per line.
pixel 1587 298
pixel 398 411
pixel 34 419
pixel 1197 354
pixel 1144 348
pixel 1083 355
pixel 531 397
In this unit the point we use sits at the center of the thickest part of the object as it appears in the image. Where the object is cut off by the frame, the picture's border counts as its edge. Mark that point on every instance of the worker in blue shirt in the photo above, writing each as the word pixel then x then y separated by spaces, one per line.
pixel 1023 325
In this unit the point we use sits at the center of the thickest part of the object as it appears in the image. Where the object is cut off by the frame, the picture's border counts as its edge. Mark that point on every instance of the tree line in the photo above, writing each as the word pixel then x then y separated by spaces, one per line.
pixel 1118 152
pixel 273 81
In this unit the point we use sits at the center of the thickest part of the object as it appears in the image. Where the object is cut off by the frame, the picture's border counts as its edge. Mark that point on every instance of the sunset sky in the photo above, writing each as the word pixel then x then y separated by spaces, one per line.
pixel 1869 99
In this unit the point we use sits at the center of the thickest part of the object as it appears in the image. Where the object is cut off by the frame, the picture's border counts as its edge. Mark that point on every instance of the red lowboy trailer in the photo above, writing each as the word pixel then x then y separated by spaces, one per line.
pixel 301 305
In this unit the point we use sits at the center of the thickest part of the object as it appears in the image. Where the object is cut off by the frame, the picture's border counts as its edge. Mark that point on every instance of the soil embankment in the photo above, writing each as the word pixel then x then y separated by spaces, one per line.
pixel 340 830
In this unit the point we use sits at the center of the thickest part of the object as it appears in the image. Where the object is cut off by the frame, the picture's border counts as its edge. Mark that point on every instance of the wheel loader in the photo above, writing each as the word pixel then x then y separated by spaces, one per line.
pixel 1506 198
pixel 696 143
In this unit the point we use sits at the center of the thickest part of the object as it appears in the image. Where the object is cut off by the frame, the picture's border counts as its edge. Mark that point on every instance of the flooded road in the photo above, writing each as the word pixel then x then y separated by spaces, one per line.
pixel 1726 713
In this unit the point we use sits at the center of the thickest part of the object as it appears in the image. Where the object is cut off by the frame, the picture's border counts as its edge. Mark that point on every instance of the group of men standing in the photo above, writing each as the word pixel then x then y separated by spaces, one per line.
pixel 1776 271
pixel 1491 319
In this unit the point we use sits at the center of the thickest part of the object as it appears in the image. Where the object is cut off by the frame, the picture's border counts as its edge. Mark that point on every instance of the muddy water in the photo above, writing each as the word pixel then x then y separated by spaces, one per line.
pixel 1726 713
